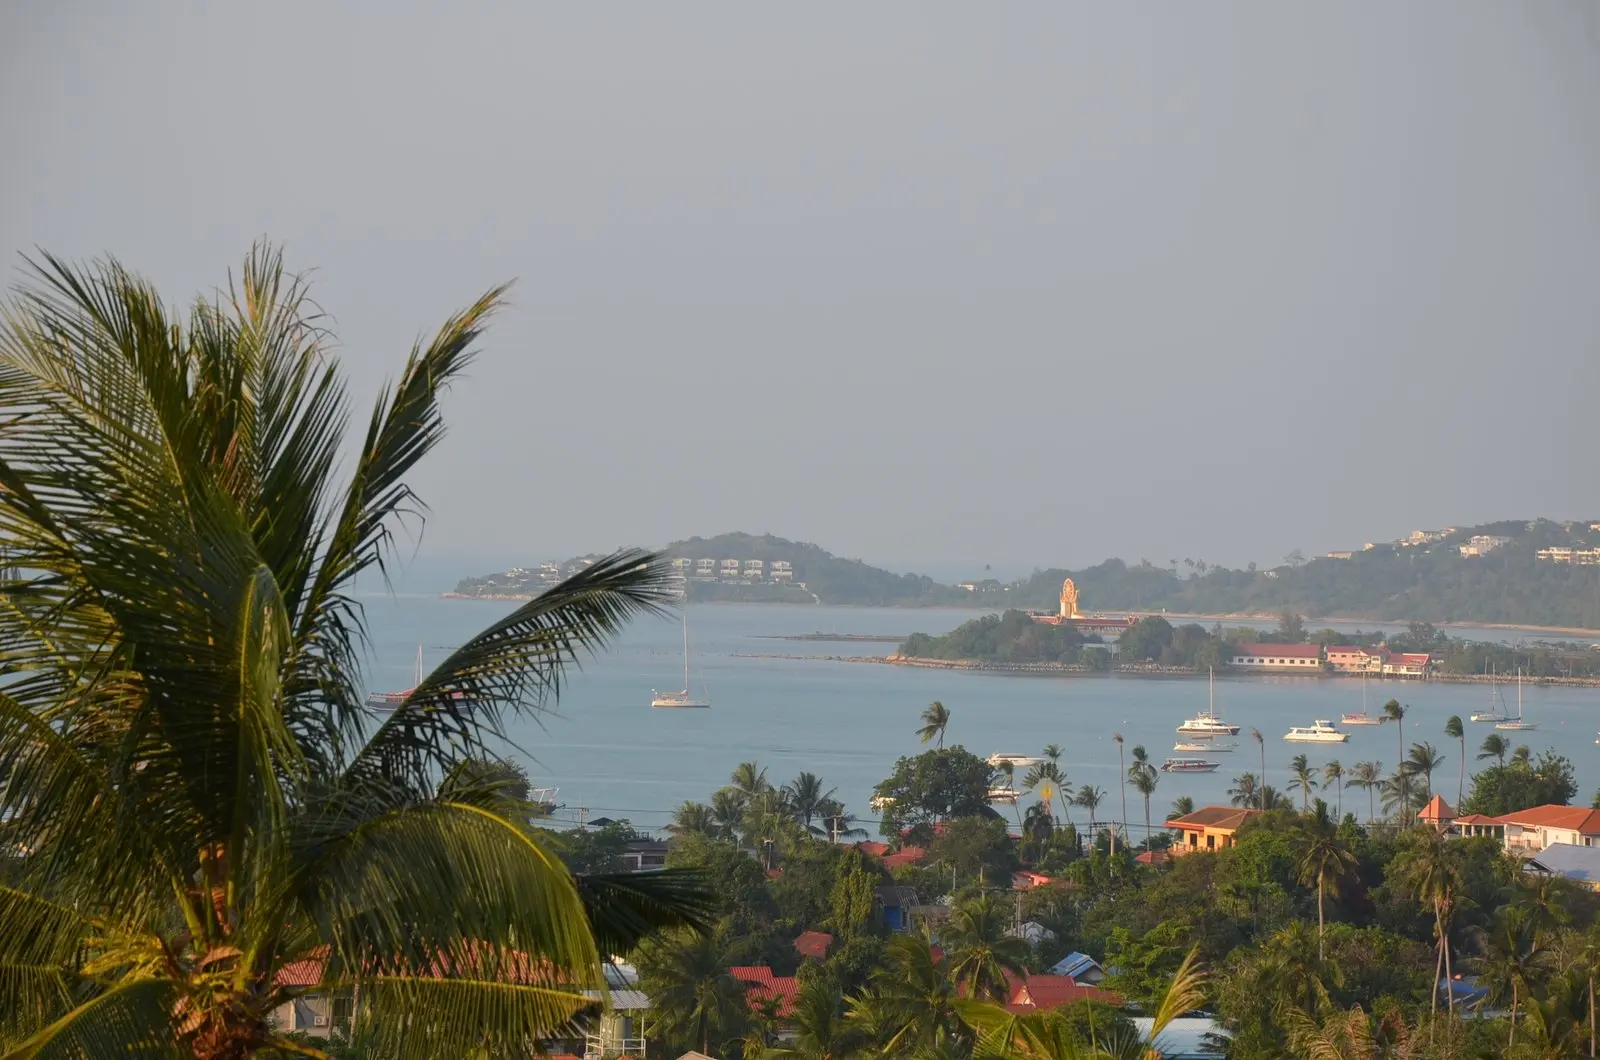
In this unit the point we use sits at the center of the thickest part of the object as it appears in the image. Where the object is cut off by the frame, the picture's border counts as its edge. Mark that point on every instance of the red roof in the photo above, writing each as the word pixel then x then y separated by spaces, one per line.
pixel 1347 649
pixel 873 847
pixel 904 856
pixel 1578 818
pixel 1281 651
pixel 1023 880
pixel 301 973
pixel 1152 857
pixel 1436 810
pixel 1052 991
pixel 1476 818
pixel 1222 817
pixel 1408 659
pixel 813 944
pixel 764 986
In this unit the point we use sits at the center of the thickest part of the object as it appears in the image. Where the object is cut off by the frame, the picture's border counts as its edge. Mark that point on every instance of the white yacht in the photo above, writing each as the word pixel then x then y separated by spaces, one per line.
pixel 1319 731
pixel 1519 723
pixel 665 700
pixel 1497 705
pixel 1206 723
pixel 1000 758
pixel 1205 745
pixel 1189 765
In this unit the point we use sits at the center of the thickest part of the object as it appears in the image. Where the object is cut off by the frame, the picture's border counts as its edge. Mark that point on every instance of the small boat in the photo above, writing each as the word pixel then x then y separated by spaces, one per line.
pixel 1497 705
pixel 1205 745
pixel 663 700
pixel 1189 765
pixel 1206 723
pixel 388 702
pixel 1003 794
pixel 1360 717
pixel 1518 724
pixel 1319 731
pixel 1000 758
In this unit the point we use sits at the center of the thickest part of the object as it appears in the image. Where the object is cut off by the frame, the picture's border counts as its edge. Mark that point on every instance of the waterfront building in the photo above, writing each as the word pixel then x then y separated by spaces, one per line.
pixel 1406 664
pixel 1354 659
pixel 1284 658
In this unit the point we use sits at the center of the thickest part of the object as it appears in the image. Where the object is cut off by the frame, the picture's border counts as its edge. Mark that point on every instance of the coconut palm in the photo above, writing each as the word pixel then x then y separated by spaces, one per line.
pixel 1396 795
pixel 1182 806
pixel 1143 776
pixel 981 950
pixel 693 818
pixel 728 811
pixel 909 1005
pixel 1511 960
pixel 1301 779
pixel 1261 745
pixel 837 822
pixel 1522 754
pixel 749 780
pixel 1429 869
pixel 200 794
pixel 1455 730
pixel 820 1031
pixel 1494 746
pixel 807 798
pixel 1368 775
pixel 1393 711
pixel 1421 762
pixel 693 996
pixel 934 720
pixel 1047 779
pixel 1090 798
pixel 1333 779
pixel 1246 790
pixel 1321 858
pixel 1053 752
pixel 1122 789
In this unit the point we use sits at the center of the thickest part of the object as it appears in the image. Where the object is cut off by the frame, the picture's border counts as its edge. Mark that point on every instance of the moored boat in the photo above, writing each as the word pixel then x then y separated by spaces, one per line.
pixel 1205 745
pixel 1319 731
pixel 1189 765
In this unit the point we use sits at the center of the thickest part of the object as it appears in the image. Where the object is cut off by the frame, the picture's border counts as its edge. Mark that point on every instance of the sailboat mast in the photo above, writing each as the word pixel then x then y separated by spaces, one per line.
pixel 686 650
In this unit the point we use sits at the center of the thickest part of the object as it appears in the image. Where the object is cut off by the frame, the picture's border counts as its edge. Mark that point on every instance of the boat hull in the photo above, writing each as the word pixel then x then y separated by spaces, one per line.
pixel 1342 737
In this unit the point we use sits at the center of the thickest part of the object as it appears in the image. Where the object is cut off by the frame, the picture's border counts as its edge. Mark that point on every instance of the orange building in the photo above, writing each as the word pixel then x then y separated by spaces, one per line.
pixel 1209 828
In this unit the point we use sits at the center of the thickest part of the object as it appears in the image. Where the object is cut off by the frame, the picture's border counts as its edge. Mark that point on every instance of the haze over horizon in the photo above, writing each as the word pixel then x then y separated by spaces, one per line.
pixel 926 285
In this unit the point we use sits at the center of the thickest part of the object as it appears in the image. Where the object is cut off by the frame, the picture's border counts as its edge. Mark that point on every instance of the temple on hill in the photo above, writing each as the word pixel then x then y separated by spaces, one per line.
pixel 1109 626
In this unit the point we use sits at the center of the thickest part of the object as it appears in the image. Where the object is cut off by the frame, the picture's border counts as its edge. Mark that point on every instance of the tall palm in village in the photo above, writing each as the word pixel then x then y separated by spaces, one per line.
pixel 820 1030
pixel 1143 776
pixel 749 779
pixel 1393 711
pixel 1302 780
pixel 1429 868
pixel 1182 806
pixel 692 993
pixel 200 794
pixel 1122 789
pixel 1456 731
pixel 981 949
pixel 1368 775
pixel 1421 762
pixel 1510 962
pixel 1321 859
pixel 1333 779
pixel 1090 798
pixel 1047 779
pixel 1261 745
pixel 934 720
pixel 808 799
pixel 693 818
pixel 910 1002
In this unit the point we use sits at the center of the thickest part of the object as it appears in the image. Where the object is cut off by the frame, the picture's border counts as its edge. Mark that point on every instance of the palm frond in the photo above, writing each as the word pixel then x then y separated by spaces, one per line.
pixel 422 1018
pixel 515 665
pixel 1185 993
pixel 39 944
pixel 133 1018
pixel 623 909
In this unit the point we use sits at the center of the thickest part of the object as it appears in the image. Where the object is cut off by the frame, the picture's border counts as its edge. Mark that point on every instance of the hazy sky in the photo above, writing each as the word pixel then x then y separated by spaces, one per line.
pixel 933 285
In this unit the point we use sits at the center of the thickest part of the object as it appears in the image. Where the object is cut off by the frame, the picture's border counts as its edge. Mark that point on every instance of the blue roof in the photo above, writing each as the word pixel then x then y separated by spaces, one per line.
pixel 1075 964
pixel 1570 860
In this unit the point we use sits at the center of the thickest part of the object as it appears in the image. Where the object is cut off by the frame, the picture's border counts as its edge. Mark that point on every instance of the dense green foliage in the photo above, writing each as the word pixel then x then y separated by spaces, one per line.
pixel 1008 637
pixel 1520 783
pixel 935 786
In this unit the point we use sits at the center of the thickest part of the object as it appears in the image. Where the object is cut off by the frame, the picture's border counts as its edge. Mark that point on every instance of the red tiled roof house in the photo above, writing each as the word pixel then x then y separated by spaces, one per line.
pixel 1284 658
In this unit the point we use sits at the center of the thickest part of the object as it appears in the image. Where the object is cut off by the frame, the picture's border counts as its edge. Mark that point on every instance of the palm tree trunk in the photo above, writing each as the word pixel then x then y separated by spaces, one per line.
pixel 1263 775
pixel 1461 778
pixel 1444 941
pixel 1319 918
pixel 1438 967
pixel 1512 1041
pixel 1147 845
pixel 1372 806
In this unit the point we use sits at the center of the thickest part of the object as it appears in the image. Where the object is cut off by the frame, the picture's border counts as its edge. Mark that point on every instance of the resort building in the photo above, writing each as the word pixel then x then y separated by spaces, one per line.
pixel 730 568
pixel 1354 659
pixel 1586 557
pixel 1482 545
pixel 1532 830
pixel 1209 828
pixel 1289 658
pixel 781 571
pixel 1406 664
pixel 1438 814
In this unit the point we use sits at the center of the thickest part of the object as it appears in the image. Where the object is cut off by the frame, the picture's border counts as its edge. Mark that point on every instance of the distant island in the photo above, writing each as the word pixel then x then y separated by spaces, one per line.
pixel 1520 573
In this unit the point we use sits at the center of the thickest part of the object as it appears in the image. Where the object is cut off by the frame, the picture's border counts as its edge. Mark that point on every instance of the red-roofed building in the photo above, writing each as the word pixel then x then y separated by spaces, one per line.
pixel 1477 824
pixel 873 847
pixel 904 856
pixel 1209 828
pixel 1354 659
pixel 1530 831
pixel 1152 857
pixel 1027 881
pixel 1037 993
pixel 1437 813
pixel 813 944
pixel 1406 664
pixel 765 987
pixel 1288 658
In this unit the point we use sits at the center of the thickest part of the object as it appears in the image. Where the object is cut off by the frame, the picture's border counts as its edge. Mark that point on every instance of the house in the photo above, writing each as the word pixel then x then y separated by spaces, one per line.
pixel 896 904
pixel 781 571
pixel 642 855
pixel 1354 659
pixel 1037 993
pixel 872 848
pixel 1530 831
pixel 753 569
pixel 763 988
pixel 1569 861
pixel 907 855
pixel 730 568
pixel 1406 664
pixel 1290 658
pixel 1034 934
pixel 1342 554
pixel 705 568
pixel 1482 545
pixel 1438 814
pixel 1152 857
pixel 1027 881
pixel 1081 967
pixel 1477 824
pixel 1209 828
pixel 310 1014
pixel 1586 557
pixel 813 944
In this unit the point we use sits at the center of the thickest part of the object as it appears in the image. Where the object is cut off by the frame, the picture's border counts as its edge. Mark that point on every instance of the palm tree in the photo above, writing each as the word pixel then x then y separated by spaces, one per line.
pixel 1521 754
pixel 201 793
pixel 1339 1034
pixel 1511 958
pixel 749 780
pixel 1182 806
pixel 693 818
pixel 1122 788
pixel 934 720
pixel 807 798
pixel 1143 776
pixel 1396 794
pixel 981 950
pixel 1321 858
pixel 728 811
pixel 1367 775
pixel 692 993
pixel 1422 761
pixel 1428 869
pixel 1393 711
pixel 1586 960
pixel 1052 751
pixel 837 822
pixel 1261 744
pixel 1333 777
pixel 1049 781
pixel 820 1031
pixel 911 1000
pixel 1246 790
pixel 1454 729
pixel 1494 746
pixel 1090 798
pixel 1302 780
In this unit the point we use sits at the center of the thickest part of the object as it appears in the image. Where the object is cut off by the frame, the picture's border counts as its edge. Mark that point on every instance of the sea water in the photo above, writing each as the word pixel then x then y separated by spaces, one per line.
pixel 611 755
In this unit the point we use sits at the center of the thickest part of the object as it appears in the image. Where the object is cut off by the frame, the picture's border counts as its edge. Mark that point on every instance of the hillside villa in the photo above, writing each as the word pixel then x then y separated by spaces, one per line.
pixel 1208 828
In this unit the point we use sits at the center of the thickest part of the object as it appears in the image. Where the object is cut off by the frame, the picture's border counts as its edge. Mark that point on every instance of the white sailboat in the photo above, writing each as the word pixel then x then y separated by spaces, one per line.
pixel 385 702
pixel 1497 705
pixel 665 700
pixel 1207 723
pixel 1519 723
pixel 1360 717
